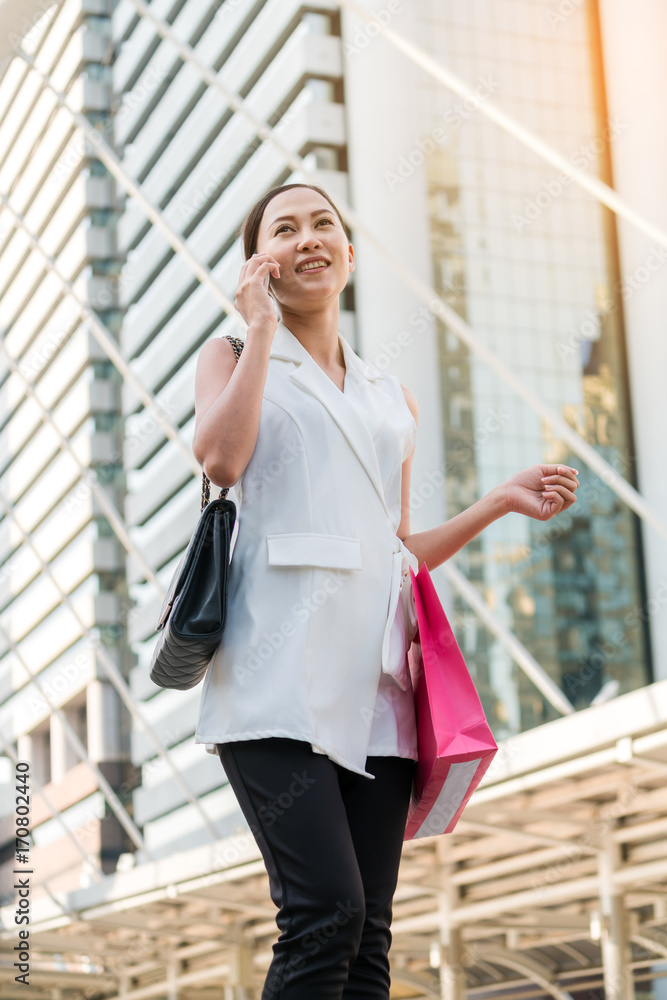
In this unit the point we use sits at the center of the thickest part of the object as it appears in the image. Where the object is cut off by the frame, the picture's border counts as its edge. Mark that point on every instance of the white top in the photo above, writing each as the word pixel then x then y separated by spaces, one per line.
pixel 320 611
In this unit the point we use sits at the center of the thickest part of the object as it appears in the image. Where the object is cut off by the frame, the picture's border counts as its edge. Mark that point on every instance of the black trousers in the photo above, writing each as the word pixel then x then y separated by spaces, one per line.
pixel 331 841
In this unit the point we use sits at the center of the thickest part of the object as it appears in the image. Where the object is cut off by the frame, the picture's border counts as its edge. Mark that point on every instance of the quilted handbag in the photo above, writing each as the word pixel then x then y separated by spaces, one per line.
pixel 194 611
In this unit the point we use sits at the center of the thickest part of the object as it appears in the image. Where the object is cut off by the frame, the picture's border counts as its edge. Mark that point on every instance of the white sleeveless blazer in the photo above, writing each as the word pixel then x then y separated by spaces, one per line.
pixel 319 615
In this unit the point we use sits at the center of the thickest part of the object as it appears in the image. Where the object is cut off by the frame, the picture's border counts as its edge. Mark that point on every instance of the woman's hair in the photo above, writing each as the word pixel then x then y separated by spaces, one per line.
pixel 250 229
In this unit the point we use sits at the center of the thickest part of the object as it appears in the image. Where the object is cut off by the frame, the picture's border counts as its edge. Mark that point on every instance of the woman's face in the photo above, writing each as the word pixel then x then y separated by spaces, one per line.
pixel 300 228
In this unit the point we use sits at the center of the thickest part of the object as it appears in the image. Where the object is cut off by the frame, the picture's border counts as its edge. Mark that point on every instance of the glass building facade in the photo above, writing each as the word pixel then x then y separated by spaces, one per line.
pixel 530 261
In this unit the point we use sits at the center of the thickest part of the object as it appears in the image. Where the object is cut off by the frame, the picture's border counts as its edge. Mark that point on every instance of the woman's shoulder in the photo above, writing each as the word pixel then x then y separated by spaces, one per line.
pixel 220 347
pixel 401 392
pixel 411 400
pixel 236 342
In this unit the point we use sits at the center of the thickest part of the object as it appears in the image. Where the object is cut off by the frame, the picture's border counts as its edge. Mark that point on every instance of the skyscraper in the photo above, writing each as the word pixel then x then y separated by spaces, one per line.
pixel 96 490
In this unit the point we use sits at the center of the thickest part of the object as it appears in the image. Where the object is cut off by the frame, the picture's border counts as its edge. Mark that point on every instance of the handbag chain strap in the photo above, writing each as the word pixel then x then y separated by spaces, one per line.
pixel 237 345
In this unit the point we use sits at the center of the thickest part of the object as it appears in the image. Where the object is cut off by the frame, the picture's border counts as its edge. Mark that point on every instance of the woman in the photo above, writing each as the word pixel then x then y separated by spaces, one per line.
pixel 308 699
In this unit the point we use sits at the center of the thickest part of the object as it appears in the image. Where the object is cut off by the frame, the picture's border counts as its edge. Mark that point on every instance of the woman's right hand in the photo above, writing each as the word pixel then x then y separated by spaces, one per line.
pixel 252 296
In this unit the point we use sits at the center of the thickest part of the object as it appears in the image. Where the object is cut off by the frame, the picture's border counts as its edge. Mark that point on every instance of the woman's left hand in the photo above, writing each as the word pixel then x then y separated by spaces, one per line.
pixel 542 491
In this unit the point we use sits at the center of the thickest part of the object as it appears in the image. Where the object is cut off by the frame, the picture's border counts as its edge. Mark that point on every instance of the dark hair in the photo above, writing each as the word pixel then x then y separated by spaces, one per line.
pixel 254 218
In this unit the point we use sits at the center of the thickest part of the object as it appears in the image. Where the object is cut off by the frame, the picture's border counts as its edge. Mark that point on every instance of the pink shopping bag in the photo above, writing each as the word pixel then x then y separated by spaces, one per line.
pixel 456 745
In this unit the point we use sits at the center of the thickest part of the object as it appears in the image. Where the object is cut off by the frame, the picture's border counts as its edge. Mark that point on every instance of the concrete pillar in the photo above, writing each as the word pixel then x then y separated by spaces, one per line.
pixel 383 130
pixel 41 750
pixel 618 980
pixel 62 754
pixel 103 721
pixel 452 973
pixel 172 977
pixel 241 967
pixel 452 977
pixel 35 748
pixel 636 77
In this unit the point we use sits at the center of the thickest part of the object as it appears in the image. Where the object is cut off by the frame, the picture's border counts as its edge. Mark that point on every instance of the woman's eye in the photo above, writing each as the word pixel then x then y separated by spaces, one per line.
pixel 286 226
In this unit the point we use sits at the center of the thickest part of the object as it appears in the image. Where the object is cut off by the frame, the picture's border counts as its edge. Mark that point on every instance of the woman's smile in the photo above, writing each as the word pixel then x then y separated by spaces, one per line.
pixel 312 264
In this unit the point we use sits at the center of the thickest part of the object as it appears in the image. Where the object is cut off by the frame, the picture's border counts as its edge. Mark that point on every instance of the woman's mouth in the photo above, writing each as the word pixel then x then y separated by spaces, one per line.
pixel 312 265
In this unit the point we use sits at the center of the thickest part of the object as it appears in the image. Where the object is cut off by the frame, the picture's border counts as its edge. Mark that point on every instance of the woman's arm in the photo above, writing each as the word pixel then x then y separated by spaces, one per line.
pixel 228 404
pixel 437 545
pixel 228 396
pixel 406 469
pixel 541 492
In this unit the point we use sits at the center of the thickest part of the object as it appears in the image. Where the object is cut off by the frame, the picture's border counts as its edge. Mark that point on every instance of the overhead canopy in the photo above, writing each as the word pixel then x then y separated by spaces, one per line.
pixel 554 881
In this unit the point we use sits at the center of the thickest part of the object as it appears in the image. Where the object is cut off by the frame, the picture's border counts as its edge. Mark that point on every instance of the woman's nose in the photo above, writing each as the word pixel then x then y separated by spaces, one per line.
pixel 309 240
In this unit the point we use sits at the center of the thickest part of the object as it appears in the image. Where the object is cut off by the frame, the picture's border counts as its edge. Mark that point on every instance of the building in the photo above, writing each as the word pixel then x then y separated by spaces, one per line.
pixel 97 488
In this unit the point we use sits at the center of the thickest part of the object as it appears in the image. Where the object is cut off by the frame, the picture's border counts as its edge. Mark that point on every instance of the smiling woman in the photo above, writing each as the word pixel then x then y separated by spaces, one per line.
pixel 285 225
pixel 311 677
pixel 290 228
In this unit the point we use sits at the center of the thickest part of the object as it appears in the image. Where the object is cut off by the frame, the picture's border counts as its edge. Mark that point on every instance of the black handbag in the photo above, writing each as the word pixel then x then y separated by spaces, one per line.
pixel 194 612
